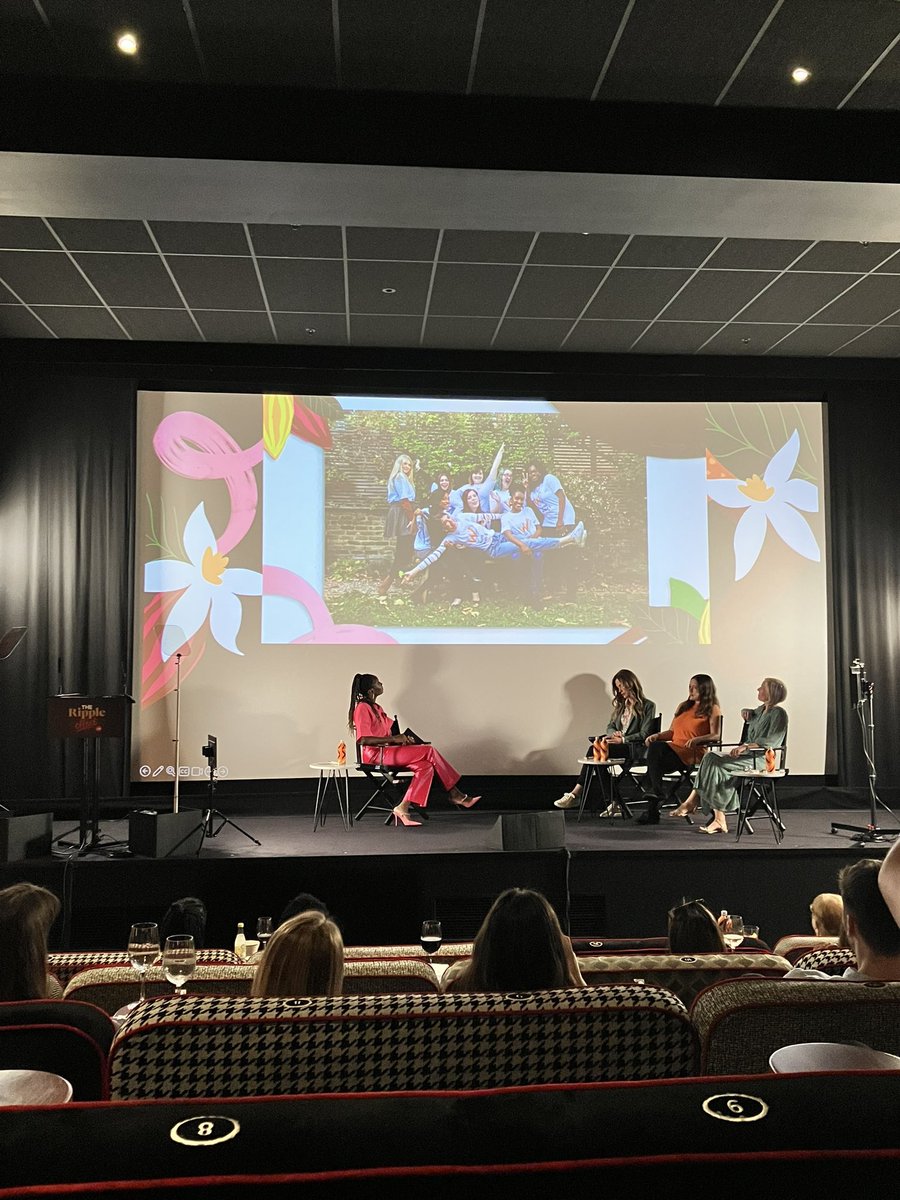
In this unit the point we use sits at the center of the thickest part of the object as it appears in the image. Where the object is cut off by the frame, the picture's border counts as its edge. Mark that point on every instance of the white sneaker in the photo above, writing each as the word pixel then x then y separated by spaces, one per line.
pixel 566 800
pixel 580 533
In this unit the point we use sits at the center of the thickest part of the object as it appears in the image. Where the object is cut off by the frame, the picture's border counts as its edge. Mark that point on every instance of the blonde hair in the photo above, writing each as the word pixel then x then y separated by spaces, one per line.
pixel 777 692
pixel 26 914
pixel 827 914
pixel 398 463
pixel 304 958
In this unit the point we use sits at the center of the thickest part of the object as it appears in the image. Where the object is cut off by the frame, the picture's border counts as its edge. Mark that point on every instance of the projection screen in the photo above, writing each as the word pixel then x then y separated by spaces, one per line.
pixel 493 561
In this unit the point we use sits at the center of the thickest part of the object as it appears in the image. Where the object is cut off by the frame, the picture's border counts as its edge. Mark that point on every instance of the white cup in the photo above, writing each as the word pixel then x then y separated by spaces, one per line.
pixel 250 948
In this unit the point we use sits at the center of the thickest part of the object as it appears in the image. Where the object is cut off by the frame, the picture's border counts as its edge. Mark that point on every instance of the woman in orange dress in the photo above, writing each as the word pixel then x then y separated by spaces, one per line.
pixel 694 726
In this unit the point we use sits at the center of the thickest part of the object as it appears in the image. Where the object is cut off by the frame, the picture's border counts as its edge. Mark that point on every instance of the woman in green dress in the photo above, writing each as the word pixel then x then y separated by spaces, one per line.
pixel 714 791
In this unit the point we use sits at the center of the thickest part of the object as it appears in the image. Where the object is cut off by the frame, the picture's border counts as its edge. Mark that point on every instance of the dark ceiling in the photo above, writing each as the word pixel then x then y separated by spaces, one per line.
pixel 666 279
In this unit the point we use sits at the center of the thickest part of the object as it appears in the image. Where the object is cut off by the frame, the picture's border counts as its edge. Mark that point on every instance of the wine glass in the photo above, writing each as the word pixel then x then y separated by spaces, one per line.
pixel 263 931
pixel 179 960
pixel 431 936
pixel 143 947
pixel 734 931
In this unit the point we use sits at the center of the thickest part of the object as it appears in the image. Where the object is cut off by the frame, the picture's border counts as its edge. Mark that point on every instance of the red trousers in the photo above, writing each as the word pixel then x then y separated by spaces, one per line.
pixel 423 761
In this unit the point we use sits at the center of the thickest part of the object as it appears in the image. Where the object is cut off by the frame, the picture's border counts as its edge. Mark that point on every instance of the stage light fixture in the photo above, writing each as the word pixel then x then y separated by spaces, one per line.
pixel 389 291
pixel 800 74
pixel 127 43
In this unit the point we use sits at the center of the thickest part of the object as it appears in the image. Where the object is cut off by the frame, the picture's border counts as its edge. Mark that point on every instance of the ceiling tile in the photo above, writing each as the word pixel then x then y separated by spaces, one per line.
pixel 410 244
pixel 460 333
pixel 469 290
pixel 17 322
pixel 717 295
pixel 82 323
pixel 745 338
pixel 674 337
pixel 882 87
pixel 277 41
pixel 158 324
pixel 847 256
pixel 760 254
pixel 130 280
pixel 666 251
pixel 297 285
pixel 796 297
pixel 385 331
pixel 555 49
pixel 607 337
pixel 26 40
pixel 577 249
pixel 814 341
pixel 531 334
pixel 297 241
pixel 26 233
pixel 554 291
pixel 84 30
pixel 77 234
pixel 633 295
pixel 835 40
pixel 484 246
pixel 311 329
pixel 409 281
pixel 406 45
pixel 44 278
pixel 217 282
pixel 883 342
pixel 200 237
pixel 692 60
pixel 234 326
pixel 870 301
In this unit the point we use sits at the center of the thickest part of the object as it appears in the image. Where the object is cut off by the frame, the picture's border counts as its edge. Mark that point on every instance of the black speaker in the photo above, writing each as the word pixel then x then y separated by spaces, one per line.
pixel 164 834
pixel 529 831
pixel 25 837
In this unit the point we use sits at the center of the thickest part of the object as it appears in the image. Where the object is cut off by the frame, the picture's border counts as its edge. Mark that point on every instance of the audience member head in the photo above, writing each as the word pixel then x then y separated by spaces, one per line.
pixel 519 946
pixel 187 915
pixel 869 929
pixel 26 914
pixel 827 914
pixel 693 930
pixel 303 902
pixel 304 958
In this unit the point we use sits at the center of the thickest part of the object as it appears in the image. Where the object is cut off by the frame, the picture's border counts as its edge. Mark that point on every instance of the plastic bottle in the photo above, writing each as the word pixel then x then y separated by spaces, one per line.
pixel 342 754
pixel 770 759
pixel 723 923
pixel 240 942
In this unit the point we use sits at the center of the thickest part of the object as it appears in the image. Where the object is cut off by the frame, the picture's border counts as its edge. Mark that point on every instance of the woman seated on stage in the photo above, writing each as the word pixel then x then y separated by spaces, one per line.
pixel 378 744
pixel 305 957
pixel 714 790
pixel 519 948
pixel 628 728
pixel 694 726
pixel 26 914
pixel 693 930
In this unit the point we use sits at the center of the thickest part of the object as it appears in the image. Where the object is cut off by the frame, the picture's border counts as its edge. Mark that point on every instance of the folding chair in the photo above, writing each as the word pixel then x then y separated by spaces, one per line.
pixel 756 791
pixel 390 789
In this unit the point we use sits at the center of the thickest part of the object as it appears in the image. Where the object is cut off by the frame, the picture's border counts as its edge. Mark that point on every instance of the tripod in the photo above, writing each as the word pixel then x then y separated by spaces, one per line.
pixel 865 689
pixel 211 814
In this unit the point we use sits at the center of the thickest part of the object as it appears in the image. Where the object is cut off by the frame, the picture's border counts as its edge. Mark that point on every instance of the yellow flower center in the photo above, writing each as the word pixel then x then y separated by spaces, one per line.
pixel 213 565
pixel 756 489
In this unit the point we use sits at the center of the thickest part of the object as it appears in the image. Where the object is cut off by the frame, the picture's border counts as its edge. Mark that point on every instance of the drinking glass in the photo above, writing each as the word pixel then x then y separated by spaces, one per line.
pixel 179 960
pixel 143 947
pixel 734 934
pixel 751 931
pixel 431 936
pixel 263 931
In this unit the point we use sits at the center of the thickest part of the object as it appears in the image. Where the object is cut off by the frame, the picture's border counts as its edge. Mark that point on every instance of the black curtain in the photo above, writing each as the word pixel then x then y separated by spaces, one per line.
pixel 66 533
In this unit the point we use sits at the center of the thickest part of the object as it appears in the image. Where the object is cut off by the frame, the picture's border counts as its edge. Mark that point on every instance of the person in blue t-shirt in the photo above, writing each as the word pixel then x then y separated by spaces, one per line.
pixel 547 497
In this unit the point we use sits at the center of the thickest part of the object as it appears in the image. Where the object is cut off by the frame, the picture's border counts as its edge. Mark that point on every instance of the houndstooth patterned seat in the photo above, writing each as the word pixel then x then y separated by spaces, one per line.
pixel 742 1021
pixel 795 945
pixel 447 953
pixel 210 1046
pixel 684 974
pixel 830 959
pixel 389 975
pixel 109 988
pixel 66 964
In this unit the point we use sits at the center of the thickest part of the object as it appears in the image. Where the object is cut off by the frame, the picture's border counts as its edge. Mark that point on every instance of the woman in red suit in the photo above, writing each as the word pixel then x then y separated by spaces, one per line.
pixel 372 727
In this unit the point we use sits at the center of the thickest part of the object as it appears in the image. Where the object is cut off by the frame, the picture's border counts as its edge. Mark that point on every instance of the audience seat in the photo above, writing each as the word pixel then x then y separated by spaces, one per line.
pixel 68 963
pixel 218 1046
pixel 684 974
pixel 831 959
pixel 740 1022
pixel 393 975
pixel 619 1140
pixel 448 952
pixel 795 945
pixel 109 988
pixel 66 1038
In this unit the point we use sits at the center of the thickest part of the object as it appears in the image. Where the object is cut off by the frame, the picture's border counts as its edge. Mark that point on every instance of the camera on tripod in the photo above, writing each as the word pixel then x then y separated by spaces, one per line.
pixel 210 751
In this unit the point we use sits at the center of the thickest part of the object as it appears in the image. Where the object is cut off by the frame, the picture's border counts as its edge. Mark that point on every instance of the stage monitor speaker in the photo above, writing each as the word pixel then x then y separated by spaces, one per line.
pixel 25 837
pixel 165 834
pixel 529 831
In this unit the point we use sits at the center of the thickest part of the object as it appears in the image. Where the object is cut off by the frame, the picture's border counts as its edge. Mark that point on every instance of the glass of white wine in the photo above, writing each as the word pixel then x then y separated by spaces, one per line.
pixel 179 960
pixel 734 931
pixel 143 948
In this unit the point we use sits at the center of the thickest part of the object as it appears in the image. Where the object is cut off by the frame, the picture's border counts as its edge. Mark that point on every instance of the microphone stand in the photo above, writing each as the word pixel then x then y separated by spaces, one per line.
pixel 864 706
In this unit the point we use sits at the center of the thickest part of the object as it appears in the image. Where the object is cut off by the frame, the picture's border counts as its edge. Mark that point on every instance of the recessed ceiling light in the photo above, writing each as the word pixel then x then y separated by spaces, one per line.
pixel 310 330
pixel 800 74
pixel 585 233
pixel 745 341
pixel 389 291
pixel 864 243
pixel 127 43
